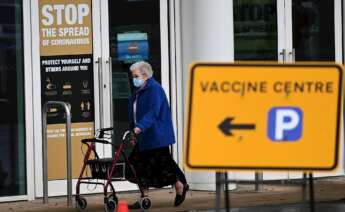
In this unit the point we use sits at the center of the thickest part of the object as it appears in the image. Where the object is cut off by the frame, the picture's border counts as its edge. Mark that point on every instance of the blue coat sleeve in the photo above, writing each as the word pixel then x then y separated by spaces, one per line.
pixel 153 103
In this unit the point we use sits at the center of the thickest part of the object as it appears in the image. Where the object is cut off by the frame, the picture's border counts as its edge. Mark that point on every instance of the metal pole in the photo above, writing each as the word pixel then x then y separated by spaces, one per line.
pixel 227 195
pixel 68 148
pixel 45 154
pixel 219 187
pixel 304 188
pixel 259 177
pixel 311 193
pixel 69 155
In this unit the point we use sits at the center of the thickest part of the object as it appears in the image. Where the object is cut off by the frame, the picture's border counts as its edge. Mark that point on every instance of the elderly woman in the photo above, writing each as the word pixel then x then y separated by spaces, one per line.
pixel 150 118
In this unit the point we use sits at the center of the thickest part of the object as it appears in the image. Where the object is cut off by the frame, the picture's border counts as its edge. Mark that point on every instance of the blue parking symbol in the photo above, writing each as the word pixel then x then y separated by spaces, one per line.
pixel 285 123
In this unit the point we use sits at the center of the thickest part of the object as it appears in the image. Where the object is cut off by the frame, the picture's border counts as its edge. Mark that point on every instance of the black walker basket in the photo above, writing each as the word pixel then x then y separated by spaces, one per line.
pixel 101 167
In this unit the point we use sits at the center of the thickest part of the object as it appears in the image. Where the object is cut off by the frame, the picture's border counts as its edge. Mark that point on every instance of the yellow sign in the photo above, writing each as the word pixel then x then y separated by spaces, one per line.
pixel 264 116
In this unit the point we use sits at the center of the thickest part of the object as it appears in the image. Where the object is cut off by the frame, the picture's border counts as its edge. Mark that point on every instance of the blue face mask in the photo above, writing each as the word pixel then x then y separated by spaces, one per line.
pixel 137 82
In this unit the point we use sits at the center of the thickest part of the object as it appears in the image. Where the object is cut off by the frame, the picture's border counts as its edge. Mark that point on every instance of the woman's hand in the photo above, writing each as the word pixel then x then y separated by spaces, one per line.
pixel 137 130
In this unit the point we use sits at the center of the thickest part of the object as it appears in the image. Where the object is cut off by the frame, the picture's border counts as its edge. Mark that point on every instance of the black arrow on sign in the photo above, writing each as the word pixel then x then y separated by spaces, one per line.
pixel 227 126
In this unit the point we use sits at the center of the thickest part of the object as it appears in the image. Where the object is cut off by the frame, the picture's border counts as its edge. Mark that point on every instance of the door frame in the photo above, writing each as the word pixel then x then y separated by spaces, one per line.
pixel 37 108
pixel 284 29
pixel 101 39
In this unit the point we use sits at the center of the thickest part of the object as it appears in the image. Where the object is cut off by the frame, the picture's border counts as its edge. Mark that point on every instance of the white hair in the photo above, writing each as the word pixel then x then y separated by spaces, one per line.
pixel 144 67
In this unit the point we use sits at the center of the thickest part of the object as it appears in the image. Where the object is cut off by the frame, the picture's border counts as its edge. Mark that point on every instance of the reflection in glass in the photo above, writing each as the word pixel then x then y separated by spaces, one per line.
pixel 255 29
pixel 12 131
pixel 134 33
pixel 121 86
pixel 313 30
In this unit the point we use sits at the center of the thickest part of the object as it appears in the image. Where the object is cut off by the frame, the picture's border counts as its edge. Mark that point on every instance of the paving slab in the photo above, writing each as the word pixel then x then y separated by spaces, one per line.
pixel 326 190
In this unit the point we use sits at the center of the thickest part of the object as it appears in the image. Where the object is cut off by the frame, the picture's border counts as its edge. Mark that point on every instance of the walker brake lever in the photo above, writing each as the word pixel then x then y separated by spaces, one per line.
pixel 130 135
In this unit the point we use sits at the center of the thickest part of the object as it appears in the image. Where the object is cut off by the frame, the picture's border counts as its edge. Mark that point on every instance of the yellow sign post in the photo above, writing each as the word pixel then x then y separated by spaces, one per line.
pixel 264 117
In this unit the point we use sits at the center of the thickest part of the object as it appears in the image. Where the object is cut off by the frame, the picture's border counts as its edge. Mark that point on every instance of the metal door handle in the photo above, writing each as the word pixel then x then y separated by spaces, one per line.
pixel 293 55
pixel 100 92
pixel 283 54
pixel 110 66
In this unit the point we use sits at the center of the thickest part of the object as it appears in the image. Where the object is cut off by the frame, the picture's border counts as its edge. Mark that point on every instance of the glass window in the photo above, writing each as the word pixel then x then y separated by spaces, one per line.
pixel 134 33
pixel 313 30
pixel 255 30
pixel 12 129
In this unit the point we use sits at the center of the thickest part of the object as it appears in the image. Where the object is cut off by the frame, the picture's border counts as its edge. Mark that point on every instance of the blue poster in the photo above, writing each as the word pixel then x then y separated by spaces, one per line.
pixel 132 47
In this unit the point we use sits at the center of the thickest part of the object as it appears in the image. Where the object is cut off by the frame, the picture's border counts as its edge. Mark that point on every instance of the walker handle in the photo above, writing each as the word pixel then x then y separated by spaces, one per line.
pixel 129 135
pixel 94 140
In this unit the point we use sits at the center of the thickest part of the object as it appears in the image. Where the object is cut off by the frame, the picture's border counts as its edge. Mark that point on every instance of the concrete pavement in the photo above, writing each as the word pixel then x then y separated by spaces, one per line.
pixel 325 190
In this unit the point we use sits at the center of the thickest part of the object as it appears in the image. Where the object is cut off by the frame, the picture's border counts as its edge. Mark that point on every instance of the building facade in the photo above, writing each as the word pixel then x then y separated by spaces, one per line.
pixel 79 52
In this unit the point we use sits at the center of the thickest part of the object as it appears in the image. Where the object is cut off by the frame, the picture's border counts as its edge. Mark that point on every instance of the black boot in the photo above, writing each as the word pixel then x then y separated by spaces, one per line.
pixel 179 199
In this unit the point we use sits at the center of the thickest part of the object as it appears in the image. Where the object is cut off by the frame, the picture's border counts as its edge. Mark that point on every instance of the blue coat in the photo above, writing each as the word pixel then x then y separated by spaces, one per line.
pixel 153 117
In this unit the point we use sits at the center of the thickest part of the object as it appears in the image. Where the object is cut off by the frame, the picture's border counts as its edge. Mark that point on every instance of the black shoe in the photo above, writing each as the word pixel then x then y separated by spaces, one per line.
pixel 179 199
pixel 135 205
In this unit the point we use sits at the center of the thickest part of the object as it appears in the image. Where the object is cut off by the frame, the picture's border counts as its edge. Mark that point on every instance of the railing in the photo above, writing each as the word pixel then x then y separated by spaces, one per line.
pixel 68 147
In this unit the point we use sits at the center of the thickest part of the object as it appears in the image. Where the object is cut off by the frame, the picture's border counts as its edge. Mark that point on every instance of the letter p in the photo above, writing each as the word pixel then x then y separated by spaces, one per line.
pixel 285 124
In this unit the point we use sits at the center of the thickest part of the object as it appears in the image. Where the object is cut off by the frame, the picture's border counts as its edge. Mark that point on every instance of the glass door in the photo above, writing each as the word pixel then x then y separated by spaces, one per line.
pixel 69 50
pixel 313 30
pixel 259 30
pixel 315 35
pixel 287 31
pixel 259 35
pixel 12 122
pixel 130 31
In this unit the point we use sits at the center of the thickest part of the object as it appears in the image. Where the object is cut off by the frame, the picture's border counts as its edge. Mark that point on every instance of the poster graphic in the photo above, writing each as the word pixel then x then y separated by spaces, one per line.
pixel 65 27
pixel 132 46
pixel 67 75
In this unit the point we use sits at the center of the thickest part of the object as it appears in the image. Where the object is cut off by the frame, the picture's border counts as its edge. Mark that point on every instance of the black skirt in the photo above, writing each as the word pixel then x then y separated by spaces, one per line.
pixel 154 168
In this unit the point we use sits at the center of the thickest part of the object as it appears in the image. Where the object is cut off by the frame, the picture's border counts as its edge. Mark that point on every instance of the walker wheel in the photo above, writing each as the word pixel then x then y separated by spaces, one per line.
pixel 81 204
pixel 145 203
pixel 111 203
pixel 113 197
